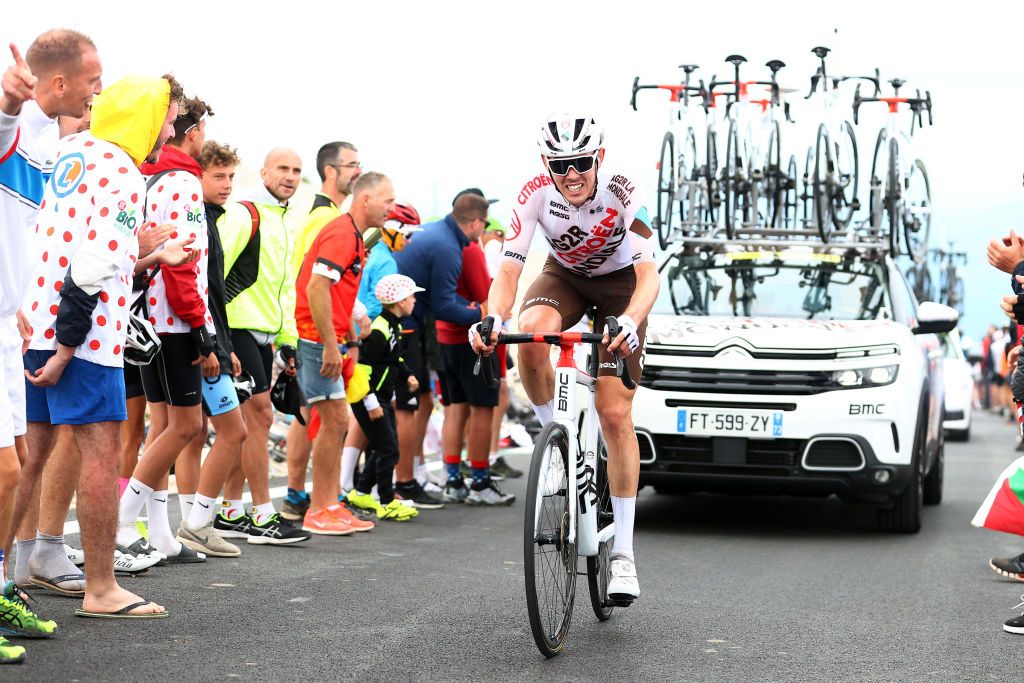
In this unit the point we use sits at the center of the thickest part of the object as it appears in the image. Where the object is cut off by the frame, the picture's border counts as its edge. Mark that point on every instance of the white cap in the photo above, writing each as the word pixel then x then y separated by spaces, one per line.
pixel 394 288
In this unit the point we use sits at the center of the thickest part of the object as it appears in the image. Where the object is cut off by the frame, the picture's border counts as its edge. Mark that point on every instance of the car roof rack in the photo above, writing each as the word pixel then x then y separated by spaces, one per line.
pixel 856 237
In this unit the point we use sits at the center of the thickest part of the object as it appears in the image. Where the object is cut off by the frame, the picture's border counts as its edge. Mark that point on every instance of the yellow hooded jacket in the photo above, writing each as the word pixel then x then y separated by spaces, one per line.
pixel 130 114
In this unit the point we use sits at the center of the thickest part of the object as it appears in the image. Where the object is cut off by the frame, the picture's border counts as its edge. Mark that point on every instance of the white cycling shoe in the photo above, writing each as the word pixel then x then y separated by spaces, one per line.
pixel 555 476
pixel 623 587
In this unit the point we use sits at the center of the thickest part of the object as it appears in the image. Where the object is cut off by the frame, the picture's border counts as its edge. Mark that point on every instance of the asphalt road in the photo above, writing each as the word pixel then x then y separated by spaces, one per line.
pixel 733 589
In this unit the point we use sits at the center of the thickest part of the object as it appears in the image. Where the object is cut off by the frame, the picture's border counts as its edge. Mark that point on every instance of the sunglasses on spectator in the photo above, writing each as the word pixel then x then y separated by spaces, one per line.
pixel 581 164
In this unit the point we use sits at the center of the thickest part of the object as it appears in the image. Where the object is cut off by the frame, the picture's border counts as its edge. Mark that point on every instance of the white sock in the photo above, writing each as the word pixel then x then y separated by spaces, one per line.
pixel 132 500
pixel 492 457
pixel 545 413
pixel 232 509
pixel 160 535
pixel 185 503
pixel 202 511
pixel 261 513
pixel 623 510
pixel 349 459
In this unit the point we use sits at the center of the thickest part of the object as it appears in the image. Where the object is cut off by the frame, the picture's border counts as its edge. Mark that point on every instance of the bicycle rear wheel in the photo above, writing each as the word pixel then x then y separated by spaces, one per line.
pixel 893 197
pixel 774 180
pixel 732 181
pixel 789 217
pixel 597 567
pixel 844 177
pixel 666 190
pixel 549 557
pixel 821 190
pixel 688 187
pixel 710 174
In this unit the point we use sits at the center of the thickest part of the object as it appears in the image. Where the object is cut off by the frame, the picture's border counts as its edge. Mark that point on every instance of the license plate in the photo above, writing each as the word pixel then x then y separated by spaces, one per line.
pixel 711 422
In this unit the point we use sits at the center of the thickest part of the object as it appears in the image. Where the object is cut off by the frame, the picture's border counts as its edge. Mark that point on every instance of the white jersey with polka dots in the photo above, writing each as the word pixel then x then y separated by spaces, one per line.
pixel 177 199
pixel 92 207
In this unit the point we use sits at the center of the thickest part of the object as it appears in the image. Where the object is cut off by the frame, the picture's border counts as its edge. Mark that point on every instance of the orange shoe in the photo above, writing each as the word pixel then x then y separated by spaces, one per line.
pixel 345 517
pixel 325 524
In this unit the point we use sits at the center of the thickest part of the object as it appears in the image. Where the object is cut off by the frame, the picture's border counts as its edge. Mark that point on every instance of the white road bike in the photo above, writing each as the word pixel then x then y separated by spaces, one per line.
pixel 568 504
pixel 683 199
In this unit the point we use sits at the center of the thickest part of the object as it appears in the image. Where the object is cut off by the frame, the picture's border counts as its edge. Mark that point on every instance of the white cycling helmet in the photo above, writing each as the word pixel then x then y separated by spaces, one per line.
pixel 244 386
pixel 143 343
pixel 569 135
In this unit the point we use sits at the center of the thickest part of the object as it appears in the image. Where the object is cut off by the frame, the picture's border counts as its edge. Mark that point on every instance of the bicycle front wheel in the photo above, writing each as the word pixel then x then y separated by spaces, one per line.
pixel 917 210
pixel 549 557
pixel 821 191
pixel 597 567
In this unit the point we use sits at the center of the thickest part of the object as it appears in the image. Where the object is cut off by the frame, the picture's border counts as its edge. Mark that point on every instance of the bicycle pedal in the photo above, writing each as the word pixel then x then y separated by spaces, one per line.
pixel 619 601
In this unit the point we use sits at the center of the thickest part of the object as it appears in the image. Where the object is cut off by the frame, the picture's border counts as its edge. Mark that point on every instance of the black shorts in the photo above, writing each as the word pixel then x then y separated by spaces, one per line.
pixel 171 378
pixel 256 359
pixel 459 384
pixel 414 355
pixel 133 382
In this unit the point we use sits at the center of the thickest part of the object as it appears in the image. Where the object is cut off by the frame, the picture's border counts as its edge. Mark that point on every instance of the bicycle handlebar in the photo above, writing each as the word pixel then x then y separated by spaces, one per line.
pixel 486 370
pixel 916 104
pixel 678 92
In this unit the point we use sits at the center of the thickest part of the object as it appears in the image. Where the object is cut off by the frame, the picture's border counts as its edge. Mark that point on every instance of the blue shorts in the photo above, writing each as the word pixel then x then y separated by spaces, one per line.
pixel 86 393
pixel 219 395
pixel 315 386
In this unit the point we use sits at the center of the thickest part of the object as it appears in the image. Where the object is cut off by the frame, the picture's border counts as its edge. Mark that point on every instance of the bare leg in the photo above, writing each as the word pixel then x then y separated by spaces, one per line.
pixel 186 465
pixel 298 450
pixel 407 427
pixel 614 404
pixel 479 438
pixel 535 369
pixel 10 470
pixel 60 479
pixel 39 439
pixel 182 425
pixel 132 432
pixel 455 417
pixel 259 416
pixel 498 415
pixel 327 453
pixel 225 454
pixel 100 446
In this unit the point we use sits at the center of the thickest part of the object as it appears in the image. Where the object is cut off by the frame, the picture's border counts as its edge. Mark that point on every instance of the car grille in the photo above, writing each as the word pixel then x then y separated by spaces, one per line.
pixel 717 381
pixel 680 453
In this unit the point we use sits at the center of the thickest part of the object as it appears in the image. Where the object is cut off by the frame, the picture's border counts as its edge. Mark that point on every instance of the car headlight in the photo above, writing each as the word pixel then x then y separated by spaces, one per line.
pixel 865 377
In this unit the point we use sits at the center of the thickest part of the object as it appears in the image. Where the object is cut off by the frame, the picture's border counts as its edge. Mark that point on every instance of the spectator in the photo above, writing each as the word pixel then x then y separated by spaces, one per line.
pixel 435 261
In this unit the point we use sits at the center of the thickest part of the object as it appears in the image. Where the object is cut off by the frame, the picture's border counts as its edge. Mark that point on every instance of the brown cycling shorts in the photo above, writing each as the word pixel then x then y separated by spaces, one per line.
pixel 571 294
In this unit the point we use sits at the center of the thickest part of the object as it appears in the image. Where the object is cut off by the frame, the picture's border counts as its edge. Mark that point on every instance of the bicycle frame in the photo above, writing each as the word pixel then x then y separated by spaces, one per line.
pixel 583 506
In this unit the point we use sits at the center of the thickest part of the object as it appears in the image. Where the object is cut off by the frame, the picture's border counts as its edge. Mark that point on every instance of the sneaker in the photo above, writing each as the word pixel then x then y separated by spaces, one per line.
pixel 236 527
pixel 623 587
pixel 206 540
pixel 488 493
pixel 1010 567
pixel 415 495
pixel 500 467
pixel 354 511
pixel 455 491
pixel 75 555
pixel 431 487
pixel 357 522
pixel 185 555
pixel 16 619
pixel 276 531
pixel 11 653
pixel 554 476
pixel 295 510
pixel 127 563
pixel 1015 625
pixel 325 523
pixel 397 511
pixel 363 501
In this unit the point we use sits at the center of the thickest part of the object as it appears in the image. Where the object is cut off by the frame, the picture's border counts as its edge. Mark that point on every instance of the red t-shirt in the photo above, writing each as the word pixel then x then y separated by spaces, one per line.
pixel 338 254
pixel 473 285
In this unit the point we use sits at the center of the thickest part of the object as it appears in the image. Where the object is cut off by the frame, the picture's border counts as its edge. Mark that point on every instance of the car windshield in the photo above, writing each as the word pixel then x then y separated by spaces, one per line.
pixel 775 284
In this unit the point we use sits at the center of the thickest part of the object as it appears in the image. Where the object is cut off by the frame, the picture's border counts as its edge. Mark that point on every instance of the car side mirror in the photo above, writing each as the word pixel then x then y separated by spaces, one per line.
pixel 934 318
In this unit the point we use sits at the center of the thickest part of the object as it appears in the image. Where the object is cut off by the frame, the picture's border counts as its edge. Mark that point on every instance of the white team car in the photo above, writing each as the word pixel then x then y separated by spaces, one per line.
pixel 794 370
pixel 959 381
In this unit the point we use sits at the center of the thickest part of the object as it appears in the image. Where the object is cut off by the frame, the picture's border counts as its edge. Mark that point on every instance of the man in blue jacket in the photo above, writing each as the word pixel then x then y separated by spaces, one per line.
pixel 433 259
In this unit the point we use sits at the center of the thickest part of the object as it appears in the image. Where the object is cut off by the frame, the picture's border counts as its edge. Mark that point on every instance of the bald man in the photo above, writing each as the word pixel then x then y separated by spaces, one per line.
pixel 259 287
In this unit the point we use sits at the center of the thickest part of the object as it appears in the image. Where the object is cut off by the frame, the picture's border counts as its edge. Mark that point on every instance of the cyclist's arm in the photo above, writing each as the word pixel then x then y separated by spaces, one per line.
pixel 641 245
pixel 503 289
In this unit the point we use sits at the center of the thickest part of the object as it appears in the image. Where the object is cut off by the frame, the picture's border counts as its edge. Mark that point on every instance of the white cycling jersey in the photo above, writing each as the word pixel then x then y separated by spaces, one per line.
pixel 609 232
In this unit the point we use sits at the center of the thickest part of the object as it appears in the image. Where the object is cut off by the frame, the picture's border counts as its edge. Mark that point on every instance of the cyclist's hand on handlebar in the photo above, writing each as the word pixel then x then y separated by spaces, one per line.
pixel 627 340
pixel 481 346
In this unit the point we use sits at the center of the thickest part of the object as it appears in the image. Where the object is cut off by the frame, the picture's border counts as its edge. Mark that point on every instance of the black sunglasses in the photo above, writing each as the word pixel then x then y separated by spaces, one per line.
pixel 581 164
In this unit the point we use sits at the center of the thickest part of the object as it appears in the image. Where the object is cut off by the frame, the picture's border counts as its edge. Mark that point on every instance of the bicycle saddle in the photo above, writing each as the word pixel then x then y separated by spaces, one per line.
pixel 688 68
pixel 897 83
pixel 821 52
pixel 735 60
pixel 775 65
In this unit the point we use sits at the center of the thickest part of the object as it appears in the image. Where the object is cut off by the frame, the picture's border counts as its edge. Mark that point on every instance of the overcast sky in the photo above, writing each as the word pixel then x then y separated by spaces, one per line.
pixel 441 96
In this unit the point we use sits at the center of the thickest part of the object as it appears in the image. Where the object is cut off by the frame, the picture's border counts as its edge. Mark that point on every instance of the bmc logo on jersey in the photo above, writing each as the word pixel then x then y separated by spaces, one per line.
pixel 68 174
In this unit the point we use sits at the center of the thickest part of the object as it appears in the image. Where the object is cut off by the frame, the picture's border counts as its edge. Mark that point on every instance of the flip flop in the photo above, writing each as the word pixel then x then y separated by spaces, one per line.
pixel 123 613
pixel 52 584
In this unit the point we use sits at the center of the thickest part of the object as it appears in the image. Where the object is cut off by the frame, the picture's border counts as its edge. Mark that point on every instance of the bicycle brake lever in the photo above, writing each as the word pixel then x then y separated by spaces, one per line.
pixel 632 101
pixel 621 369
pixel 484 367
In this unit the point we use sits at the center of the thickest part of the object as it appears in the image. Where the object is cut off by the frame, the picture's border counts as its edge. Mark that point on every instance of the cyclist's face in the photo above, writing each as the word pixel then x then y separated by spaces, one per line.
pixel 575 186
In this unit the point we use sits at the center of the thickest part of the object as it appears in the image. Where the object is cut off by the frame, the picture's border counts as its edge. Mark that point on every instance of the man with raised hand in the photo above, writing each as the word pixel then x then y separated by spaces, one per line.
pixel 88 250
pixel 260 293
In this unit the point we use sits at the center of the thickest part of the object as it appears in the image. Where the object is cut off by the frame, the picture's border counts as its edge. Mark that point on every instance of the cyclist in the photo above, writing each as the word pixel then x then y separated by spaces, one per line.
pixel 601 254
